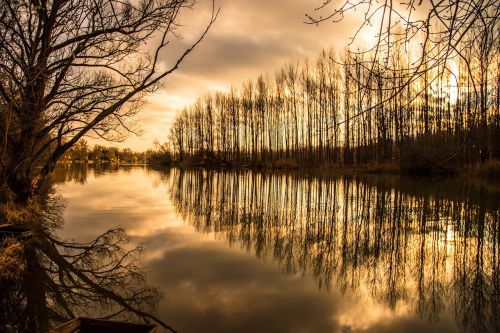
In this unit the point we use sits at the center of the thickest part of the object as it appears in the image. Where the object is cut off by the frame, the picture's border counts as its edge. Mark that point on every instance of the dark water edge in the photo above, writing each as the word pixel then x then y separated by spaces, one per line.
pixel 302 252
pixel 488 171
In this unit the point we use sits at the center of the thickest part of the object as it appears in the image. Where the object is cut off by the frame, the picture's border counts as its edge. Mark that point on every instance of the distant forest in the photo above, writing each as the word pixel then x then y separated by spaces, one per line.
pixel 81 152
pixel 349 112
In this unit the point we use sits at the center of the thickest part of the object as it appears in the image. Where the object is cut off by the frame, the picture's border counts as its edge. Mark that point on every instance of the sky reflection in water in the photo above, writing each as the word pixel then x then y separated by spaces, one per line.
pixel 225 269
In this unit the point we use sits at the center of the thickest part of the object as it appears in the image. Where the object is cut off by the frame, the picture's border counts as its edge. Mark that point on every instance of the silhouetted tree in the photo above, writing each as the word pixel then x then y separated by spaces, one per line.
pixel 343 112
pixel 69 68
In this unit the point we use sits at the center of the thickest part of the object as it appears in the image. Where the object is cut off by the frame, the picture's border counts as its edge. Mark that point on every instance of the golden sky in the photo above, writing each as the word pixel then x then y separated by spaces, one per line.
pixel 250 37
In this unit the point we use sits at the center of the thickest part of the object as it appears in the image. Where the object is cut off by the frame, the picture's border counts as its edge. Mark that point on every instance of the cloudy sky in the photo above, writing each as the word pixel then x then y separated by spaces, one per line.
pixel 250 37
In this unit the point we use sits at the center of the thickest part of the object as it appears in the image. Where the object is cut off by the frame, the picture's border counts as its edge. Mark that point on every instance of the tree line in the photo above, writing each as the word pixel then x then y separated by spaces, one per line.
pixel 349 111
pixel 81 152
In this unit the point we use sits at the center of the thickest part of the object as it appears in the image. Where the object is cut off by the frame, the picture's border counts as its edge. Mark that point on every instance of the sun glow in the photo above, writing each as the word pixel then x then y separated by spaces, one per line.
pixel 447 85
pixel 453 82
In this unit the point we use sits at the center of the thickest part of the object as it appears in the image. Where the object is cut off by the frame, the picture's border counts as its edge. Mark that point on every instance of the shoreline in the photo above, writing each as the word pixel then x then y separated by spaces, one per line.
pixel 489 170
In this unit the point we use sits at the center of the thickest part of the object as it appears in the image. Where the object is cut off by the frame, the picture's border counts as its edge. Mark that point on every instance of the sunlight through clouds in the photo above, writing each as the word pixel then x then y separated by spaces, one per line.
pixel 248 38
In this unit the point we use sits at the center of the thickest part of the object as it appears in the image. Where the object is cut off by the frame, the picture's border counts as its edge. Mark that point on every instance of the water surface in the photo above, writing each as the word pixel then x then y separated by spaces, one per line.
pixel 242 251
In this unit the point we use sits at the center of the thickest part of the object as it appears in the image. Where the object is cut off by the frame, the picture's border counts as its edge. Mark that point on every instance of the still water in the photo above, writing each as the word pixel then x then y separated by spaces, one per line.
pixel 242 251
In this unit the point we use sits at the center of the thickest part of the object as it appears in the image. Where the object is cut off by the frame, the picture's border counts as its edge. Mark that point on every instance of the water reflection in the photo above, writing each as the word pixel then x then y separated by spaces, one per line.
pixel 78 173
pixel 45 281
pixel 245 252
pixel 431 247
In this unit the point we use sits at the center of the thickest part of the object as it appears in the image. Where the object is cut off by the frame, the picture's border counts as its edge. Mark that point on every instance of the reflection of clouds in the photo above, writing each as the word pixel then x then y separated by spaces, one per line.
pixel 409 325
pixel 124 199
pixel 210 286
pixel 369 317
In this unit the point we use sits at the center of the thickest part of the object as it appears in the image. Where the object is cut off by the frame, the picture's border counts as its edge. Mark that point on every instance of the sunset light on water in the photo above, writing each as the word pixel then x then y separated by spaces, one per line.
pixel 249 166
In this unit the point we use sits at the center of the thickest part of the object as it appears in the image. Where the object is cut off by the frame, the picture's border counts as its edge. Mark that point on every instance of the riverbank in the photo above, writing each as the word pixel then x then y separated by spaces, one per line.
pixel 488 170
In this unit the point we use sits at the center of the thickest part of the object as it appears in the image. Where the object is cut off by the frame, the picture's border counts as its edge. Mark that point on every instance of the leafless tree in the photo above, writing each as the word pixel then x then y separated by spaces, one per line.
pixel 71 68
pixel 434 32
pixel 308 119
pixel 443 29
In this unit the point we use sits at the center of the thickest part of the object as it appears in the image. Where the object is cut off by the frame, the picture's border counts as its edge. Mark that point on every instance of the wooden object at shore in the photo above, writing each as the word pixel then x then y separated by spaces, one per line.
pixel 88 325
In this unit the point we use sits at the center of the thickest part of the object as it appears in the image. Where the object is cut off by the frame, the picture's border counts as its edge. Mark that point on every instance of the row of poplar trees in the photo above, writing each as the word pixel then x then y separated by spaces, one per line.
pixel 350 111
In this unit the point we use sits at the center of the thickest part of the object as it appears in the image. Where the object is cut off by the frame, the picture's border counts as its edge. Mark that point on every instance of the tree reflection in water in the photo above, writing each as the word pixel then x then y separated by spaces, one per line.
pixel 434 246
pixel 45 281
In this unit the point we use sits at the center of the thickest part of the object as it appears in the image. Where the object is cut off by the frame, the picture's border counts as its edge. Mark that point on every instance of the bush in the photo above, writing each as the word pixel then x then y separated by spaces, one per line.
pixel 428 156
pixel 11 265
pixel 285 163
pixel 490 169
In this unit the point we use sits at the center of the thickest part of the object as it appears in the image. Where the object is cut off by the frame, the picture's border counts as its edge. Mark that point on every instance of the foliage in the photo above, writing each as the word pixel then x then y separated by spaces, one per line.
pixel 160 154
pixel 490 169
pixel 11 263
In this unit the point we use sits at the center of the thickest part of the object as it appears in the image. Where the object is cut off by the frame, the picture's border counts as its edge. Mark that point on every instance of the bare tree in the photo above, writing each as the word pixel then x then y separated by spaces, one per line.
pixel 327 115
pixel 70 68
pixel 434 32
pixel 442 28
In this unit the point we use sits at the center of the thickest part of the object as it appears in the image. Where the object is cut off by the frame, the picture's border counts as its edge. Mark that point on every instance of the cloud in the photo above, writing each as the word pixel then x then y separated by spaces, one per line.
pixel 248 38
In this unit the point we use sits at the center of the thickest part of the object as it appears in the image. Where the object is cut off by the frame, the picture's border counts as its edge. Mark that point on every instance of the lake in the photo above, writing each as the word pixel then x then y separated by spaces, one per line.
pixel 245 251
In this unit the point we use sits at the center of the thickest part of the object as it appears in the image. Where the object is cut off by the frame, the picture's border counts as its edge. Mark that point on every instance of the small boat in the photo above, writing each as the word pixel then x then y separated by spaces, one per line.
pixel 88 325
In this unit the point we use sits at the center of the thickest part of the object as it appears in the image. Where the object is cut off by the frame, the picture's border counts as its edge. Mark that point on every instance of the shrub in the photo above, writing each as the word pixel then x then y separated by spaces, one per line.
pixel 490 169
